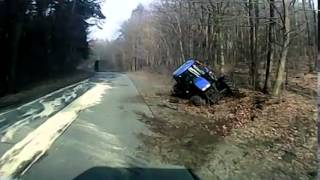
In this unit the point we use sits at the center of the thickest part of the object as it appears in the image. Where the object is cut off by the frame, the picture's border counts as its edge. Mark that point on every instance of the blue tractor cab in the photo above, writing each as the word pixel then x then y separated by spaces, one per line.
pixel 190 71
pixel 184 67
pixel 196 81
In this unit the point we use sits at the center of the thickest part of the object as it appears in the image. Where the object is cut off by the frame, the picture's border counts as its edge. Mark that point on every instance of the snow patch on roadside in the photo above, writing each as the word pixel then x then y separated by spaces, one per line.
pixel 47 108
pixel 26 152
pixel 70 97
pixel 77 86
pixel 29 112
pixel 10 131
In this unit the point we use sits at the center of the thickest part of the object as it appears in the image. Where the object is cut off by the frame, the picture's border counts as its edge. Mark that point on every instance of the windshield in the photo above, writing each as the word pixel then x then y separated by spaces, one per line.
pixel 159 89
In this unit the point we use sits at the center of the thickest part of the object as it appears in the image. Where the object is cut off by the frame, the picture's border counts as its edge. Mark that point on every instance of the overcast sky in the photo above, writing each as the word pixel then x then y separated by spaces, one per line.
pixel 116 12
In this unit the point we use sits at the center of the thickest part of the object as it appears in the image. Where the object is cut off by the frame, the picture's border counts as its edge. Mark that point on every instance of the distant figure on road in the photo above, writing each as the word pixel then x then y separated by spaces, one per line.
pixel 96 66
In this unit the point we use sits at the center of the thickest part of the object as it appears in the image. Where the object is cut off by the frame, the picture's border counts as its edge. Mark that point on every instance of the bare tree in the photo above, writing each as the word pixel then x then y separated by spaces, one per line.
pixel 270 42
pixel 285 47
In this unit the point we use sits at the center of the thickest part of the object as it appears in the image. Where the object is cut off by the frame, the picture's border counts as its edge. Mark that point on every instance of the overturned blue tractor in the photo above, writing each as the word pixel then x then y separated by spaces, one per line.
pixel 198 83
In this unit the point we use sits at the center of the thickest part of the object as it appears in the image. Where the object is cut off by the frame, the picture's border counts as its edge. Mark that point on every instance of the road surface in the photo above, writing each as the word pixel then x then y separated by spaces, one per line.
pixel 89 130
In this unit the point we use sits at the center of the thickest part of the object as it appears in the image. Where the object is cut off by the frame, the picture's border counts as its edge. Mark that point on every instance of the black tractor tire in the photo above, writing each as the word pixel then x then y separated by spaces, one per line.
pixel 213 95
pixel 197 100
pixel 216 98
pixel 176 91
pixel 231 87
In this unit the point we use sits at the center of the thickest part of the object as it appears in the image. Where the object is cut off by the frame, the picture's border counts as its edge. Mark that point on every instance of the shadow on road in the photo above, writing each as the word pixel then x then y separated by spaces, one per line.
pixel 107 173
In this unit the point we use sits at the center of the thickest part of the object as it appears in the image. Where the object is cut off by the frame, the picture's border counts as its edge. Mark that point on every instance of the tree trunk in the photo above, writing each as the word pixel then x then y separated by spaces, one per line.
pixel 180 39
pixel 285 47
pixel 270 53
pixel 256 84
pixel 207 48
pixel 318 44
pixel 14 50
pixel 309 45
pixel 252 46
pixel 314 14
pixel 190 29
pixel 222 58
pixel 191 44
pixel 15 24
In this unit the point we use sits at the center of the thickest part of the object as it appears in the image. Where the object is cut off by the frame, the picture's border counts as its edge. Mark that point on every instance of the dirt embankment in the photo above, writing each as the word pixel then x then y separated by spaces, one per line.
pixel 253 136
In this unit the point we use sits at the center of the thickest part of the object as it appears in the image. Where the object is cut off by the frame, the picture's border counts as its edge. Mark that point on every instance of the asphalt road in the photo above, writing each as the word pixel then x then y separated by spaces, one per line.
pixel 90 132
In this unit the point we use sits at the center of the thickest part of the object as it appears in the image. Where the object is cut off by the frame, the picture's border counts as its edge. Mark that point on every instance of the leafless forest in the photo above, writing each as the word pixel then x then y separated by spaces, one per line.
pixel 266 42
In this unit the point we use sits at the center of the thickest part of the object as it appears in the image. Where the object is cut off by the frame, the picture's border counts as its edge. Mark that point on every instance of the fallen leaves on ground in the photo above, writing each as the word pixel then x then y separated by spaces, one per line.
pixel 283 130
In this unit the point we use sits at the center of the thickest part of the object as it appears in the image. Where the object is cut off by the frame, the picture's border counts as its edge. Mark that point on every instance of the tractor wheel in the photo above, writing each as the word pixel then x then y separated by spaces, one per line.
pixel 216 98
pixel 176 91
pixel 231 87
pixel 213 96
pixel 197 100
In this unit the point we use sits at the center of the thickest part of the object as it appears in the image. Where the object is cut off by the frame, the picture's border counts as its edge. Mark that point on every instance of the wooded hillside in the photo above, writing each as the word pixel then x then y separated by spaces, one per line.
pixel 265 40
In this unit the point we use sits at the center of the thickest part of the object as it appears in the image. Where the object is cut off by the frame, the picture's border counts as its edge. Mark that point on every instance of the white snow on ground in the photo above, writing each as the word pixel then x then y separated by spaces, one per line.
pixel 69 97
pixel 32 147
pixel 78 86
pixel 10 131
pixel 30 112
pixel 49 108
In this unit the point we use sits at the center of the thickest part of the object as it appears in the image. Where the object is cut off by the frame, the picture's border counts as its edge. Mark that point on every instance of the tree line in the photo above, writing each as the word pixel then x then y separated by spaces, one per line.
pixel 42 38
pixel 266 39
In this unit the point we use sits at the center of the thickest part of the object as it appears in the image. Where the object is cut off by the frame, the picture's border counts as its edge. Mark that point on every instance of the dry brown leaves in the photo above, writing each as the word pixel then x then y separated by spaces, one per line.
pixel 270 117
pixel 229 114
pixel 306 80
